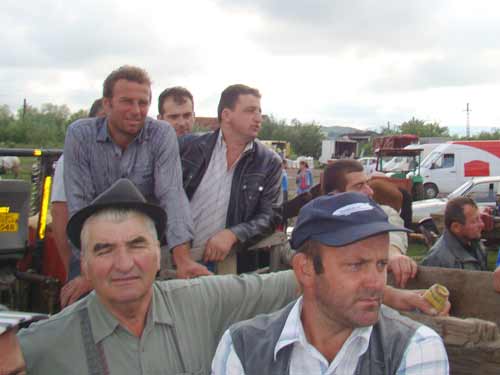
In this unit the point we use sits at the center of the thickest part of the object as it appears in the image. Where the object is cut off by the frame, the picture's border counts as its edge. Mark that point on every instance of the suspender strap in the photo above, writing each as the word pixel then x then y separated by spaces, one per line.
pixel 96 360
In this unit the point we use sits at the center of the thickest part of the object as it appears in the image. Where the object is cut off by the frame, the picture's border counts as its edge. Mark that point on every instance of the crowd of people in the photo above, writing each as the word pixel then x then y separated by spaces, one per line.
pixel 135 194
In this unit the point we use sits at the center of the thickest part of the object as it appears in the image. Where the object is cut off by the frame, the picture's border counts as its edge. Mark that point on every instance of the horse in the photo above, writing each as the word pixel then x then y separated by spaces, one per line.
pixel 10 164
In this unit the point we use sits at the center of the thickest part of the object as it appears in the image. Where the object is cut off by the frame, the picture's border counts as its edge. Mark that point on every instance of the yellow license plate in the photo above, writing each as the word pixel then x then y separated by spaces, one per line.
pixel 9 222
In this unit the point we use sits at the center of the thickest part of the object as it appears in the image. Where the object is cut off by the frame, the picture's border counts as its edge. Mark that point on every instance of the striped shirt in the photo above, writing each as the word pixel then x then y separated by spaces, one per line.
pixel 425 354
pixel 93 162
pixel 211 200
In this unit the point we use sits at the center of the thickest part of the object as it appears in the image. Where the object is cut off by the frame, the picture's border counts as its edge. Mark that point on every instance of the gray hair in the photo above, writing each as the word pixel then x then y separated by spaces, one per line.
pixel 116 215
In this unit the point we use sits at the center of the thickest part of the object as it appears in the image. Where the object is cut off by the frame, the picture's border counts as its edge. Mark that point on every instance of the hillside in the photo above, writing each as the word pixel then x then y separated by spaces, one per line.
pixel 337 131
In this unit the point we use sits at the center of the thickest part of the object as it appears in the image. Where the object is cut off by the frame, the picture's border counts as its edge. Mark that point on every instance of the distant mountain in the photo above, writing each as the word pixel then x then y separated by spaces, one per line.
pixel 337 131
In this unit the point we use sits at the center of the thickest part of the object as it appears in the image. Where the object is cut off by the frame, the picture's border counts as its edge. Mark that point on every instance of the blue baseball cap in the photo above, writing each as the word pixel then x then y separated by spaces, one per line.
pixel 340 219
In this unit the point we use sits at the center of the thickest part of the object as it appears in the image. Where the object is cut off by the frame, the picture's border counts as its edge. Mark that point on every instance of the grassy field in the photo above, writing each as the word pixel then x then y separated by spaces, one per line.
pixel 25 173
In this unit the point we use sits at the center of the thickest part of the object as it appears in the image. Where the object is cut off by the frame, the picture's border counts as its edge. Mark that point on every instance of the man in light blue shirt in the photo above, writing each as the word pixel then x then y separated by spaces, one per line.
pixel 339 325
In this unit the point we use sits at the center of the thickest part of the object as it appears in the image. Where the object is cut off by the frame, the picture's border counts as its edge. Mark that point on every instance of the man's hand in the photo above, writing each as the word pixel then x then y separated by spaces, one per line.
pixel 409 300
pixel 402 267
pixel 496 280
pixel 487 218
pixel 219 245
pixel 187 268
pixel 73 290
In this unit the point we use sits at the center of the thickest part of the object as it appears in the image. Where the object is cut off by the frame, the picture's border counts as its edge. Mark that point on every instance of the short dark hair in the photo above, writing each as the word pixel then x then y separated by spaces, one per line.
pixel 96 107
pixel 177 93
pixel 334 175
pixel 126 72
pixel 454 211
pixel 230 96
pixel 311 248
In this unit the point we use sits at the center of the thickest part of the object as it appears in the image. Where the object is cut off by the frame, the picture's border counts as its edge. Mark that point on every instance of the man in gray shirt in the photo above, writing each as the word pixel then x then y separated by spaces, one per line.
pixel 128 144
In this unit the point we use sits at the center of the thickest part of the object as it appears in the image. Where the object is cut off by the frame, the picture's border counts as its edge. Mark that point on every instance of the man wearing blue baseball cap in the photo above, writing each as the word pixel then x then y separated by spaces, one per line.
pixel 339 325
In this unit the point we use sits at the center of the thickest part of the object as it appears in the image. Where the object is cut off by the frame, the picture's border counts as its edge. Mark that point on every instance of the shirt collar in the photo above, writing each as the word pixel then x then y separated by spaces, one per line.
pixel 222 144
pixel 293 331
pixel 104 323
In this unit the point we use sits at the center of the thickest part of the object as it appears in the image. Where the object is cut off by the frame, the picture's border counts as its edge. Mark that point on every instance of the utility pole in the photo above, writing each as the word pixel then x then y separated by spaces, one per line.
pixel 25 105
pixel 468 110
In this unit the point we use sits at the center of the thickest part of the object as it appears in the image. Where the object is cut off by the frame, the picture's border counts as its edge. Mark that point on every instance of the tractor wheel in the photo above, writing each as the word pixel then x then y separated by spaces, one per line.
pixel 430 191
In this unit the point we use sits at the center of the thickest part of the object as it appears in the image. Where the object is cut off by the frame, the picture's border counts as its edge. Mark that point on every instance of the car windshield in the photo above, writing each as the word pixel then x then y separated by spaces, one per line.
pixel 431 158
pixel 398 163
pixel 461 189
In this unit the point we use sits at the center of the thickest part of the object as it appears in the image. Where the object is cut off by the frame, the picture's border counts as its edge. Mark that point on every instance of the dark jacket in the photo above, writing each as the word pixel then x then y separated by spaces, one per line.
pixel 255 188
pixel 449 252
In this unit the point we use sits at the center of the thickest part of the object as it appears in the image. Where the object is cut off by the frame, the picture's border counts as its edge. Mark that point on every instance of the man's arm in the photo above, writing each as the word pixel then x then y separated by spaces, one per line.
pixel 172 198
pixel 78 183
pixel 59 211
pixel 168 187
pixel 425 354
pixel 232 298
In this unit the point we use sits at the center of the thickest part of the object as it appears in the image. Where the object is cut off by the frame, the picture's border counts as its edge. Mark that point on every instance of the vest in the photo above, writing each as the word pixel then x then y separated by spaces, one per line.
pixel 254 342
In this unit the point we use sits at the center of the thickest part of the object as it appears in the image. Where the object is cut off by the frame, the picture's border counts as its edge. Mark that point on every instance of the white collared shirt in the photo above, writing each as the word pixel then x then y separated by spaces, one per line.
pixel 210 201
pixel 425 353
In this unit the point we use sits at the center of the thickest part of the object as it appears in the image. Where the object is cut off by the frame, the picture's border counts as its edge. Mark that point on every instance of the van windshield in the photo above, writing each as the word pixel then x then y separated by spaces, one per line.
pixel 430 159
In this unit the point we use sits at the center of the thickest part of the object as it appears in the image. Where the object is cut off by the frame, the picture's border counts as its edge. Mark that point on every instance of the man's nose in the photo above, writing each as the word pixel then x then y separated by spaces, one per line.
pixel 123 261
pixel 135 107
pixel 367 190
pixel 375 279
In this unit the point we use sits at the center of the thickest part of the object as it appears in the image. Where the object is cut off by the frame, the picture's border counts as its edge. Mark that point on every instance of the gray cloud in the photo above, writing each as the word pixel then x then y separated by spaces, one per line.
pixel 327 26
pixel 450 70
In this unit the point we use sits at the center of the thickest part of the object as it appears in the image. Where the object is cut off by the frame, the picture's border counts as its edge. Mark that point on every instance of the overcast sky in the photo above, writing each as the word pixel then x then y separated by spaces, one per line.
pixel 358 63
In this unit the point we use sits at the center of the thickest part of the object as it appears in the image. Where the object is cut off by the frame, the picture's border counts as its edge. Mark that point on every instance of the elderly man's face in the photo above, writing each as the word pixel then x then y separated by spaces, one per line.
pixel 121 259
pixel 11 359
pixel 349 291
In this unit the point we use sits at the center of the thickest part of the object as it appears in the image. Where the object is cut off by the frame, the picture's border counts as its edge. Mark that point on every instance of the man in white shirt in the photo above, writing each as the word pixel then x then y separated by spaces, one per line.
pixel 339 325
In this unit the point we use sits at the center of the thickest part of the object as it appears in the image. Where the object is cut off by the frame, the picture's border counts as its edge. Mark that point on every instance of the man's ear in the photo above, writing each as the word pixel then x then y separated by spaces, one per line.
pixel 456 228
pixel 225 115
pixel 106 103
pixel 304 269
pixel 83 266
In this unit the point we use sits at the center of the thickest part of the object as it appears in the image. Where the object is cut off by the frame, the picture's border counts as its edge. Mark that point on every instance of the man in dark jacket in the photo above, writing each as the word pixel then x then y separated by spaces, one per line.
pixel 459 246
pixel 231 179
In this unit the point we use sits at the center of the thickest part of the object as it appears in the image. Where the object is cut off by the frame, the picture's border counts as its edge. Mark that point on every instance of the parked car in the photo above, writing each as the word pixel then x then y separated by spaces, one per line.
pixel 484 190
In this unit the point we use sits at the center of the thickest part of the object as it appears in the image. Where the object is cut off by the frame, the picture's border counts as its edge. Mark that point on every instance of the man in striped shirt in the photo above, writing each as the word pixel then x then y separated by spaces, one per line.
pixel 128 144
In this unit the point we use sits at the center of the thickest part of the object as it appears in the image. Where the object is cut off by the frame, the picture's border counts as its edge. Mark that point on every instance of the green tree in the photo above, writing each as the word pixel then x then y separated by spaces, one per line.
pixel 422 129
pixel 304 138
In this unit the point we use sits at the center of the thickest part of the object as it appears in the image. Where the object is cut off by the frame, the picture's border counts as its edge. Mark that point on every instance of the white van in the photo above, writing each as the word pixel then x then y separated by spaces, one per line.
pixel 400 163
pixel 451 164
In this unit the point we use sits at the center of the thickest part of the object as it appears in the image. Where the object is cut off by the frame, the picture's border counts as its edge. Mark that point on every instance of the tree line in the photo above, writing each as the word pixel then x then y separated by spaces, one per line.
pixel 46 127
